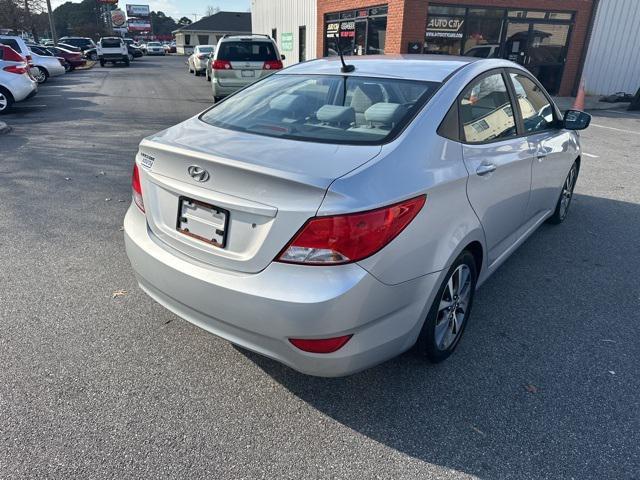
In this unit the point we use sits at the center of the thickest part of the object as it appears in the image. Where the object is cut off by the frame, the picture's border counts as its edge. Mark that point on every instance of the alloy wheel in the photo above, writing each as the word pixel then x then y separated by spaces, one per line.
pixel 454 304
pixel 39 75
pixel 567 191
pixel 4 102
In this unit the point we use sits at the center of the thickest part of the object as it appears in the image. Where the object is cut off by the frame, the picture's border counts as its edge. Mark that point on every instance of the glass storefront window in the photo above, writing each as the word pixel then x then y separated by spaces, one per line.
pixel 356 32
pixel 377 35
pixel 440 10
pixel 444 32
pixel 483 32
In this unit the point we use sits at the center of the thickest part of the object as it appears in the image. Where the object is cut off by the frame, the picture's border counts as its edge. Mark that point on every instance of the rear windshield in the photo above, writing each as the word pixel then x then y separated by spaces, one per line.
pixel 10 43
pixel 110 43
pixel 206 49
pixel 246 51
pixel 153 44
pixel 323 108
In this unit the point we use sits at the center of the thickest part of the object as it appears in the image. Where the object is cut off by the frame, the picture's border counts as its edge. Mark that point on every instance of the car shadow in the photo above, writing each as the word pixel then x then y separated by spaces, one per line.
pixel 530 388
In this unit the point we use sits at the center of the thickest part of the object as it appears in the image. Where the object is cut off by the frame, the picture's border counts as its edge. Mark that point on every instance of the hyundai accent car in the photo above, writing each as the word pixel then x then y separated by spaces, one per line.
pixel 331 217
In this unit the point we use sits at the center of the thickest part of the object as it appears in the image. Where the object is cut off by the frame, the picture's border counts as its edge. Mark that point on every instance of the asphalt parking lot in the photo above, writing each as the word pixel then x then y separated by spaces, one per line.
pixel 545 383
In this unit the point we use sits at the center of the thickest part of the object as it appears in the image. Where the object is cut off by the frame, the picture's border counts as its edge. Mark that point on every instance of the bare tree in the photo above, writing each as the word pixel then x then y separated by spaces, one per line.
pixel 211 10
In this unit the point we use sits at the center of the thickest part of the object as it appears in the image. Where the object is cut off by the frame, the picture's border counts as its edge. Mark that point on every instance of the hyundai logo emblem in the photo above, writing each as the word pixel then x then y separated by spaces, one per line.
pixel 198 173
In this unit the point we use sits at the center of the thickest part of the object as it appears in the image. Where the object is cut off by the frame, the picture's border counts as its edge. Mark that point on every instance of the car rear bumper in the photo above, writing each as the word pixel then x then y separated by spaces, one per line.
pixel 113 57
pixel 262 311
pixel 224 90
pixel 23 88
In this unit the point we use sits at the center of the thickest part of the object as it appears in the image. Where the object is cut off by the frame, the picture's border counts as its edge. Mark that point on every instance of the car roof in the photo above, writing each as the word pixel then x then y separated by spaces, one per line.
pixel 430 68
pixel 248 36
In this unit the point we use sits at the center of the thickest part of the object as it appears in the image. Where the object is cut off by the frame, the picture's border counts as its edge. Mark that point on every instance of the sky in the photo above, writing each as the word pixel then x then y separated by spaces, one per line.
pixel 183 8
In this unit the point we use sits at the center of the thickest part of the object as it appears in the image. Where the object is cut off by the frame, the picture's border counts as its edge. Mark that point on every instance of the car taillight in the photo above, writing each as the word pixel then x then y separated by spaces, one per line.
pixel 18 69
pixel 320 345
pixel 137 188
pixel 272 65
pixel 29 59
pixel 340 239
pixel 61 60
pixel 221 65
pixel 11 55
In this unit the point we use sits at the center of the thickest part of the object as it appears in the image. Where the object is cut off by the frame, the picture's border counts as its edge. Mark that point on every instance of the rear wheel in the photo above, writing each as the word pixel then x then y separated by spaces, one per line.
pixel 93 56
pixel 450 312
pixel 564 202
pixel 6 100
pixel 131 57
pixel 40 74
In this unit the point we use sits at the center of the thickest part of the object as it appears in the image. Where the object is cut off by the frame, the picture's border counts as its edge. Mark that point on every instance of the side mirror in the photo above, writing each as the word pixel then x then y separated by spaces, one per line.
pixel 576 120
pixel 282 57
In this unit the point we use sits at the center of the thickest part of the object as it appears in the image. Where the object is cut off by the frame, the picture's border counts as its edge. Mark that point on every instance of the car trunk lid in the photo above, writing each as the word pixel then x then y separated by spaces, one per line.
pixel 264 188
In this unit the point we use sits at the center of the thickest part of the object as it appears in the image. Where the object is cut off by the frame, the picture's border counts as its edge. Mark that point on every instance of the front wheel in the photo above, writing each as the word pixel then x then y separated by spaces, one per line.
pixel 566 195
pixel 450 311
pixel 93 56
pixel 131 57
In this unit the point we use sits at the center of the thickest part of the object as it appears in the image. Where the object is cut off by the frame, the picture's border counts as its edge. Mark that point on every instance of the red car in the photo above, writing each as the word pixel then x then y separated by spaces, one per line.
pixel 74 59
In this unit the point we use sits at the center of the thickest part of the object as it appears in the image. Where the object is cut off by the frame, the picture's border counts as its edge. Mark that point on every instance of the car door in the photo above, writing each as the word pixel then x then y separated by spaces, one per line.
pixel 498 159
pixel 551 146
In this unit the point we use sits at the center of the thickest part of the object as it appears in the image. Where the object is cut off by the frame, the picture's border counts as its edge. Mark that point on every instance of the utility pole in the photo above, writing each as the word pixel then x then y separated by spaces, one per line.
pixel 195 17
pixel 52 24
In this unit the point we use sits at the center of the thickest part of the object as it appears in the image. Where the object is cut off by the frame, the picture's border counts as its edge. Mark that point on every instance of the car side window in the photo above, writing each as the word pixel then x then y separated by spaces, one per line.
pixel 486 111
pixel 535 107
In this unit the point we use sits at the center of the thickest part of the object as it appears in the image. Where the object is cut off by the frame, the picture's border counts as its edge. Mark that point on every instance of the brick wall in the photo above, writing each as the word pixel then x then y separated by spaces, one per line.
pixel 407 22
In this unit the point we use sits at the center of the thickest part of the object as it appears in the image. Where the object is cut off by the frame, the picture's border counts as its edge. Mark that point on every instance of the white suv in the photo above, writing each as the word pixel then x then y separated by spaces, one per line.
pixel 112 49
pixel 240 60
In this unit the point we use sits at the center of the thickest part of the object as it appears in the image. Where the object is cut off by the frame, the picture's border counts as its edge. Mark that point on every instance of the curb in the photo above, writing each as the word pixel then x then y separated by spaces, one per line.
pixel 4 128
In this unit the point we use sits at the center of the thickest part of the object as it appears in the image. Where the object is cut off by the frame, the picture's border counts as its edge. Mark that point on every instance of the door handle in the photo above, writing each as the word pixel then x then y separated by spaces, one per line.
pixel 541 157
pixel 485 168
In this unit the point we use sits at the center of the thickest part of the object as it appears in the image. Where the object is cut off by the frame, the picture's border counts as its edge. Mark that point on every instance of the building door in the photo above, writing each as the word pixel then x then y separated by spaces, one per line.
pixel 302 44
pixel 541 48
pixel 360 44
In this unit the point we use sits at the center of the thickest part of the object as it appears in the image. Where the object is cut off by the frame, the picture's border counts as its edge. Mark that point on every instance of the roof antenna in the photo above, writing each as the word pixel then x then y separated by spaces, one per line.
pixel 345 68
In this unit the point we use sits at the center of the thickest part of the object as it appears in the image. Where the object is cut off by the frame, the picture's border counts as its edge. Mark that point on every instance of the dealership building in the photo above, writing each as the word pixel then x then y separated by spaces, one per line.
pixel 558 41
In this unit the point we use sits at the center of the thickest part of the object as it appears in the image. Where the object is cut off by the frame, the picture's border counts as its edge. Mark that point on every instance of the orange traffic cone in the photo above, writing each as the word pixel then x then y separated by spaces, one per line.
pixel 579 103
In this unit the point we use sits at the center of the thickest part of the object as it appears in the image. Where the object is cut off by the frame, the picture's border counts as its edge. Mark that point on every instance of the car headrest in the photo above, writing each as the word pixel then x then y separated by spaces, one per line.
pixel 336 114
pixel 365 95
pixel 287 103
pixel 384 113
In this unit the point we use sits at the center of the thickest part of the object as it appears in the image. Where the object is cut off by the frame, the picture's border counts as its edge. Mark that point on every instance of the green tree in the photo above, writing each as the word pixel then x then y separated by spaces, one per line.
pixel 184 21
pixel 162 24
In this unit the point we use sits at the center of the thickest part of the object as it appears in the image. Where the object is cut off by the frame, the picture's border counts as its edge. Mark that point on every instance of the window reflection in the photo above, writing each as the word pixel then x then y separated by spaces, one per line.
pixel 486 111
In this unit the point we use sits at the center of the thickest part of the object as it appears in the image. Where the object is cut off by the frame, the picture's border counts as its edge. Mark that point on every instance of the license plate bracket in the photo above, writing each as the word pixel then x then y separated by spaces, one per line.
pixel 203 221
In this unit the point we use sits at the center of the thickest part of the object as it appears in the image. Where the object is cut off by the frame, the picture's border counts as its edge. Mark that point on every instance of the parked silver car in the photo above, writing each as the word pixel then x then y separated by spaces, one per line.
pixel 333 220
pixel 240 60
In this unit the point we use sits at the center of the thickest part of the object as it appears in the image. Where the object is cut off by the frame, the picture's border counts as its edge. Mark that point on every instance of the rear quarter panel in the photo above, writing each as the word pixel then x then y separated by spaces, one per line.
pixel 418 162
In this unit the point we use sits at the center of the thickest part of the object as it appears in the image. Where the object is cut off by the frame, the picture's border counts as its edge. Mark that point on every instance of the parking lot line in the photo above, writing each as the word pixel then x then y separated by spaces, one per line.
pixel 616 129
pixel 590 155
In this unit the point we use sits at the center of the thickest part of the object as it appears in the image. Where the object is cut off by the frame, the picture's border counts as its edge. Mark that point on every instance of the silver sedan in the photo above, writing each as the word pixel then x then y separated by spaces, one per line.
pixel 332 218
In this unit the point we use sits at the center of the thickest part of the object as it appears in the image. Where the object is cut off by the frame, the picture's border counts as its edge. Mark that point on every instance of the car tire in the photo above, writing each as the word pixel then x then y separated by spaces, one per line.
pixel 6 100
pixel 43 76
pixel 130 57
pixel 450 312
pixel 93 56
pixel 102 62
pixel 566 195
pixel 127 62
